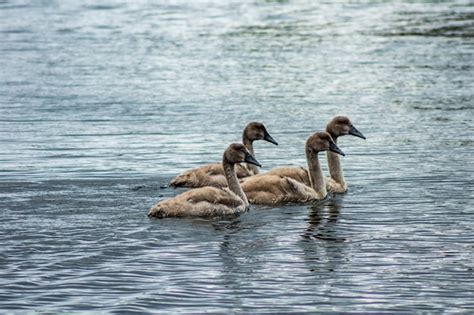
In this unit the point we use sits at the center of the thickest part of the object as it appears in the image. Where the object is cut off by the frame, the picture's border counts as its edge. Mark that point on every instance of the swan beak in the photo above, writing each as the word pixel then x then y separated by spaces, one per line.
pixel 354 132
pixel 334 148
pixel 251 160
pixel 269 138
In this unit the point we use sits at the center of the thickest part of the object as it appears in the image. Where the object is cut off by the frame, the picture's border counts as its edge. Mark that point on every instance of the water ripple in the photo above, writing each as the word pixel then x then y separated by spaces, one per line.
pixel 102 103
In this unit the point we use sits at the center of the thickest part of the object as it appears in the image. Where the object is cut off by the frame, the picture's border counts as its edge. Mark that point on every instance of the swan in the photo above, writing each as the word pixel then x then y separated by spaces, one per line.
pixel 338 126
pixel 213 174
pixel 271 189
pixel 211 201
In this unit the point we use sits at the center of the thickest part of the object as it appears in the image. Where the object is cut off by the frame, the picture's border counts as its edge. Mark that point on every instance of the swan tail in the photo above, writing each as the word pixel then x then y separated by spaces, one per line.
pixel 182 180
pixel 157 211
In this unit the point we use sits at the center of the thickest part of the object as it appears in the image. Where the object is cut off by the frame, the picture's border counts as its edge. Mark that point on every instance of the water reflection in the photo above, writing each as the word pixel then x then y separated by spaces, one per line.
pixel 241 258
pixel 323 246
pixel 237 246
pixel 322 221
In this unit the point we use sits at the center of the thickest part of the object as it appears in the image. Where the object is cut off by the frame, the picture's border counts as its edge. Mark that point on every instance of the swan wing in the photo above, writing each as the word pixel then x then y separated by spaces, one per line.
pixel 334 186
pixel 205 201
pixel 208 175
pixel 242 171
pixel 275 189
pixel 299 174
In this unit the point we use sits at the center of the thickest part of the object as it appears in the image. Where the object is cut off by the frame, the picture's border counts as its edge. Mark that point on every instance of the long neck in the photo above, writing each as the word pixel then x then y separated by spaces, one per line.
pixel 315 173
pixel 249 145
pixel 334 164
pixel 232 181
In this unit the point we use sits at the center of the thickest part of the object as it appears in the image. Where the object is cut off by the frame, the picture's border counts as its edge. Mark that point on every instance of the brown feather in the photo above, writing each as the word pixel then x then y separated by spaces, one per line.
pixel 213 174
pixel 334 186
pixel 208 175
pixel 274 189
pixel 205 201
pixel 300 174
pixel 292 184
pixel 210 201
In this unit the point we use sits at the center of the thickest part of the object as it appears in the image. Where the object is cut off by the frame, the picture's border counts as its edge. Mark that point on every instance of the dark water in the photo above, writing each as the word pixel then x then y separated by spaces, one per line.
pixel 100 104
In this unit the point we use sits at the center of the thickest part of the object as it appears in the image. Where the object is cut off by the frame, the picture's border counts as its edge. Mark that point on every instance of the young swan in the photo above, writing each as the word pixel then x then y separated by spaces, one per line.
pixel 338 126
pixel 213 174
pixel 211 201
pixel 275 189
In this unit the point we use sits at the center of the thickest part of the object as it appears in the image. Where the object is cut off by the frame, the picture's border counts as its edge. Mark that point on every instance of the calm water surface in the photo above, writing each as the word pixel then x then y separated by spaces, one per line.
pixel 100 104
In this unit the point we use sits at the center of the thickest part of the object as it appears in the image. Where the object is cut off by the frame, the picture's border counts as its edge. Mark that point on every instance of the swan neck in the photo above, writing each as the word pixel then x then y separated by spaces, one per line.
pixel 316 174
pixel 232 181
pixel 334 165
pixel 249 145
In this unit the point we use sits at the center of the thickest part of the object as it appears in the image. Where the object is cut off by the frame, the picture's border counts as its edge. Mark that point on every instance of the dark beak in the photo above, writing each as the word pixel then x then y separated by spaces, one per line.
pixel 334 148
pixel 267 137
pixel 251 160
pixel 354 132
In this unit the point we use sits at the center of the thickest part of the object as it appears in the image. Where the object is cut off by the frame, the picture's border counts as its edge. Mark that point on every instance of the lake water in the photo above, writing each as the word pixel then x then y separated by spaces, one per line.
pixel 101 104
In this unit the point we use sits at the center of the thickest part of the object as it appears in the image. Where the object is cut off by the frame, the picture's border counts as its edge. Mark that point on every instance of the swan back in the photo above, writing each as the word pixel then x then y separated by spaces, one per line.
pixel 268 189
pixel 300 174
pixel 201 202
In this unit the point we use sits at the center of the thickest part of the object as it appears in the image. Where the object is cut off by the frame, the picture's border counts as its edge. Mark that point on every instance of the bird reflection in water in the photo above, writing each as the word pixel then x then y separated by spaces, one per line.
pixel 322 221
pixel 323 247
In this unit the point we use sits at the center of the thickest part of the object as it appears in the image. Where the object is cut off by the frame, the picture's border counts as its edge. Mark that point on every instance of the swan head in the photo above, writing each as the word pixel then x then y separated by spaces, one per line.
pixel 238 153
pixel 322 141
pixel 257 131
pixel 342 126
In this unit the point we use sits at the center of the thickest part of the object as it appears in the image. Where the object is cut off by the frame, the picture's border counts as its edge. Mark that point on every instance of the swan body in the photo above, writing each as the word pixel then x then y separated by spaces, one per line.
pixel 338 126
pixel 273 189
pixel 200 202
pixel 211 201
pixel 213 174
